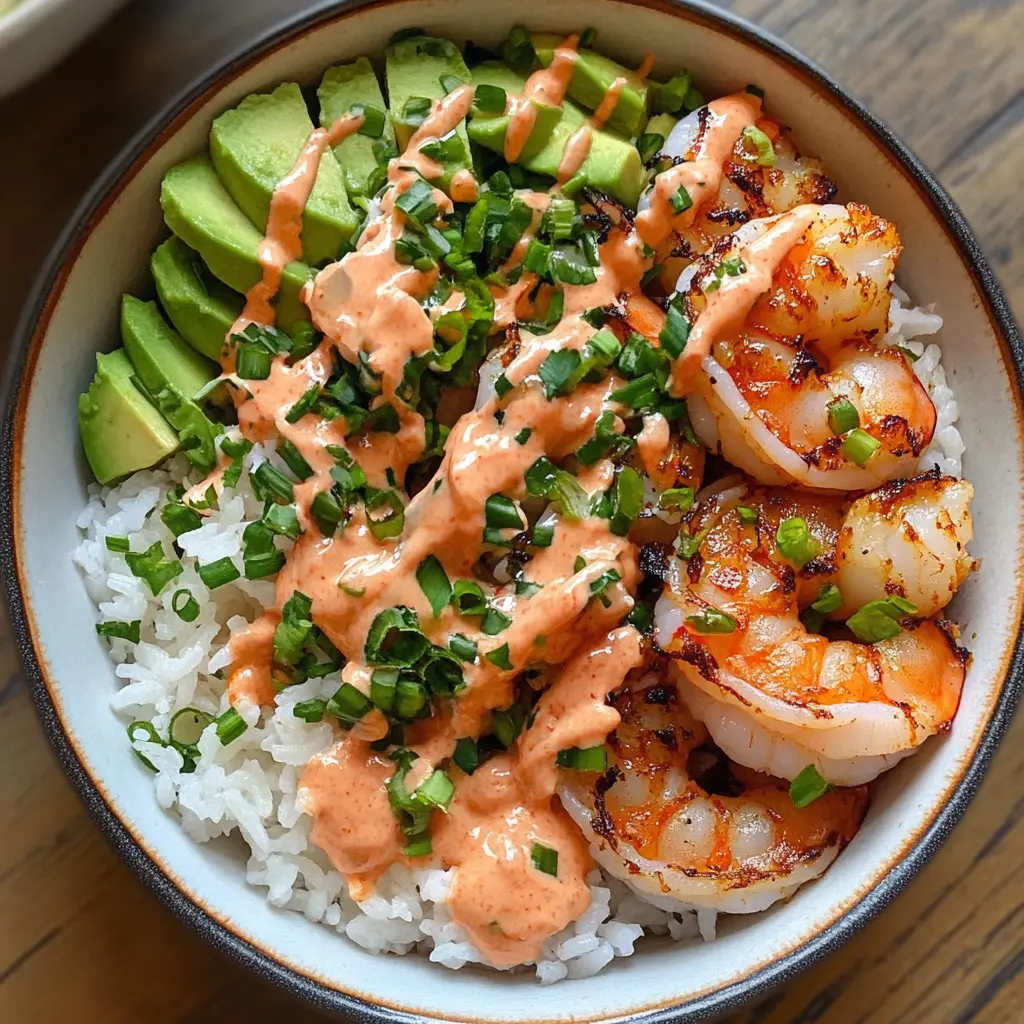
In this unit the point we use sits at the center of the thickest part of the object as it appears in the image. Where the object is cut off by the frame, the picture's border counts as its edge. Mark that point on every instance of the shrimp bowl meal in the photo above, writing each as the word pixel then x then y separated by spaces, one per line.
pixel 525 507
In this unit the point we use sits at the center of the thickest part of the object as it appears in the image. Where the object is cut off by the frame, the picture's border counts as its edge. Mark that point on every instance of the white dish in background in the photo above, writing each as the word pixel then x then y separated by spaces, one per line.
pixel 37 33
pixel 43 477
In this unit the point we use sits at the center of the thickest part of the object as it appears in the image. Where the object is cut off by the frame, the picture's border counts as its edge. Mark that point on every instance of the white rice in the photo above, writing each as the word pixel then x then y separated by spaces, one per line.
pixel 250 785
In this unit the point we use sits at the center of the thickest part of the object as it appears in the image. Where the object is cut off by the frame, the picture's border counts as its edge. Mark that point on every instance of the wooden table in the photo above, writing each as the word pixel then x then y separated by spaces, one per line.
pixel 81 939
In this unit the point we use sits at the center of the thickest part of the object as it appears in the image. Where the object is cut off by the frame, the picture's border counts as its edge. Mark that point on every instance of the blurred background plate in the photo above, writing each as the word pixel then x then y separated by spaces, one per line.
pixel 35 34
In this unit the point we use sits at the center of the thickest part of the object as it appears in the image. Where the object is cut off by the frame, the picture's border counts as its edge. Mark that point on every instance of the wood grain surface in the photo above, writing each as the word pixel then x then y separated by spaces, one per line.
pixel 81 939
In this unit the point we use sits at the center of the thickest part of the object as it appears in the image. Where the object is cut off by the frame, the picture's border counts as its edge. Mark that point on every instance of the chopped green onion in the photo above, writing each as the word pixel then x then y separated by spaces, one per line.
pixel 150 736
pixel 252 362
pixel 680 200
pixel 180 519
pixel 830 599
pixel 523 436
pixel 584 759
pixel 259 556
pixel 490 99
pixel 348 705
pixel 556 370
pixel 230 726
pixel 437 790
pixel 293 459
pixel 880 620
pixel 602 583
pixel 373 120
pixel 417 203
pixel 187 725
pixel 676 497
pixel 326 512
pixel 650 144
pixel 410 698
pixel 420 846
pixel 462 647
pixel 544 859
pixel 310 710
pixel 733 266
pixel 500 657
pixel 627 500
pixel 395 638
pixel 859 446
pixel 185 606
pixel 756 140
pixel 795 541
pixel 468 598
pixel 443 673
pixel 129 631
pixel 561 216
pixel 842 416
pixel 566 265
pixel 434 583
pixel 501 513
pixel 676 332
pixel 467 755
pixel 294 629
pixel 495 621
pixel 283 519
pixel 384 687
pixel 216 574
pixel 151 566
pixel 748 516
pixel 668 98
pixel 450 83
pixel 272 482
pixel 807 787
pixel 120 544
pixel 304 404
pixel 711 621
pixel 502 386
pixel 392 523
pixel 236 450
pixel 508 724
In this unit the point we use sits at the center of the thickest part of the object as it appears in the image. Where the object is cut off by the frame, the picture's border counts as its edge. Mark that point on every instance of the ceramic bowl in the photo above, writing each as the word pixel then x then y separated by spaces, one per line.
pixel 73 313
pixel 35 34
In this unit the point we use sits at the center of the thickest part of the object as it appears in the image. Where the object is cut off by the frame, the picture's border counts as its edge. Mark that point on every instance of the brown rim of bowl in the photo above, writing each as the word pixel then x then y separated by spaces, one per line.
pixel 35 317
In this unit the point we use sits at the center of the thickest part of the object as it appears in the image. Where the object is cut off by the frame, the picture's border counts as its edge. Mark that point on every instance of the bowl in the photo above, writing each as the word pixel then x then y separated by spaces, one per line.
pixel 72 313
pixel 35 34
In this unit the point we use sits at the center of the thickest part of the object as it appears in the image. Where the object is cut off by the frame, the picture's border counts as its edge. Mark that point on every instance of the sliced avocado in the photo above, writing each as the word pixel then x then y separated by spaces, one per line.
pixel 592 77
pixel 200 212
pixel 613 164
pixel 255 145
pixel 200 307
pixel 341 87
pixel 489 130
pixel 171 373
pixel 120 430
pixel 414 68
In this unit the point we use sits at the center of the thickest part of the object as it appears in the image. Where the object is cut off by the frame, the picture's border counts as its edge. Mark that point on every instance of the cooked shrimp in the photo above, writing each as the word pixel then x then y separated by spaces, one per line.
pixel 731 618
pixel 678 823
pixel 785 357
pixel 750 189
pixel 908 538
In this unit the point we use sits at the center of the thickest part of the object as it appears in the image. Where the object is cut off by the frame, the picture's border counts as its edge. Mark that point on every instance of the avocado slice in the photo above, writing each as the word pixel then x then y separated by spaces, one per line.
pixel 341 87
pixel 489 130
pixel 171 373
pixel 120 430
pixel 413 68
pixel 613 164
pixel 198 209
pixel 592 77
pixel 255 145
pixel 200 307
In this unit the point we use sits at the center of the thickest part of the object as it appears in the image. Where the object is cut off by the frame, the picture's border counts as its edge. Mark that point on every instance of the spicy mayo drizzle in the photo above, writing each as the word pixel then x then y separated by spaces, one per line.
pixel 547 86
pixel 702 177
pixel 368 305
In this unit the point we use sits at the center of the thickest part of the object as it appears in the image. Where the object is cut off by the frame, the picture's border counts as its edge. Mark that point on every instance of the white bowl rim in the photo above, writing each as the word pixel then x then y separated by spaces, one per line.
pixel 32 327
